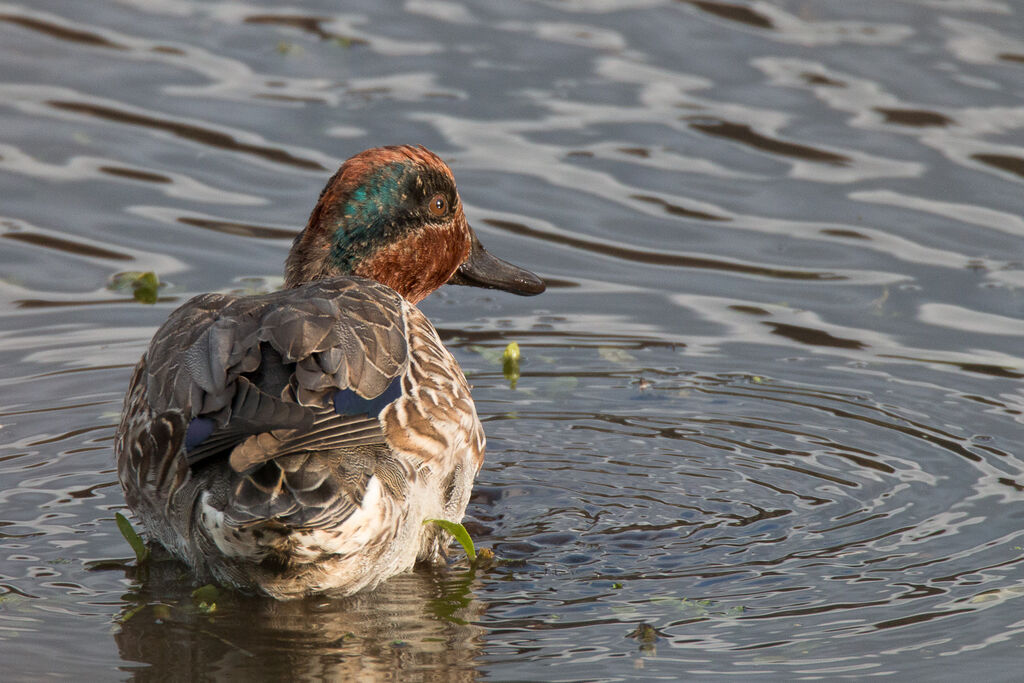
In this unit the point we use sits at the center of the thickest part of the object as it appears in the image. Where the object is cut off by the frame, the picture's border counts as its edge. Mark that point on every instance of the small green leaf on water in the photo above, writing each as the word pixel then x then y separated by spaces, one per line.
pixel 616 586
pixel 145 286
pixel 757 379
pixel 511 353
pixel 459 533
pixel 510 363
pixel 141 551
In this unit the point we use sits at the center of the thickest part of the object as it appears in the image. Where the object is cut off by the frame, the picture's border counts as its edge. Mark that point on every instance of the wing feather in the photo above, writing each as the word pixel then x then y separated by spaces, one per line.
pixel 222 356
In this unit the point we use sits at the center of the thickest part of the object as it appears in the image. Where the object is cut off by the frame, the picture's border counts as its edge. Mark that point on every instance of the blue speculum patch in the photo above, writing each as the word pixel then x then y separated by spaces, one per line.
pixel 348 402
pixel 198 429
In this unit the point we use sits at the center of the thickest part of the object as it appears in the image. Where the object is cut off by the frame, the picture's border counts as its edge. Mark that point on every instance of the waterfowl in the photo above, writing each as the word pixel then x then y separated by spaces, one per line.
pixel 293 443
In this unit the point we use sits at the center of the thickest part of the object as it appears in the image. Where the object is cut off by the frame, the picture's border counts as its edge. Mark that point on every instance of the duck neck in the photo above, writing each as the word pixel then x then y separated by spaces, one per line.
pixel 414 265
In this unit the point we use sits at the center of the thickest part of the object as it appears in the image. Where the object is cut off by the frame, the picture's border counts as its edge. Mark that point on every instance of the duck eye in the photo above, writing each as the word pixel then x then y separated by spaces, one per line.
pixel 438 205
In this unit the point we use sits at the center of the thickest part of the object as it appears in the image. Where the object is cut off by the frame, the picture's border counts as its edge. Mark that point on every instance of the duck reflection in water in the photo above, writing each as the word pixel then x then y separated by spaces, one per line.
pixel 415 626
pixel 293 443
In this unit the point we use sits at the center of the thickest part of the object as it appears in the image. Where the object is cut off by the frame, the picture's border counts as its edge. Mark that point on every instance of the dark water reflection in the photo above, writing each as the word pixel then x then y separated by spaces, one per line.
pixel 418 626
pixel 768 422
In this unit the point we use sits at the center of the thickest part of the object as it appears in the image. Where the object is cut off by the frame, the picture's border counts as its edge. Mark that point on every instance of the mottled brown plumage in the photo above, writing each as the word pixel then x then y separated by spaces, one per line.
pixel 294 442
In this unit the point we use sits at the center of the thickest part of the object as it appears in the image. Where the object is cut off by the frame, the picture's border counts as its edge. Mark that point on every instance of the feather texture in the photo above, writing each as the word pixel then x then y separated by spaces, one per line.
pixel 293 442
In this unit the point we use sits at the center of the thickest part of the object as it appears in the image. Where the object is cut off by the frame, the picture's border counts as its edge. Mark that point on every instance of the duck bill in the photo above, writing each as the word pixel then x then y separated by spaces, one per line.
pixel 481 269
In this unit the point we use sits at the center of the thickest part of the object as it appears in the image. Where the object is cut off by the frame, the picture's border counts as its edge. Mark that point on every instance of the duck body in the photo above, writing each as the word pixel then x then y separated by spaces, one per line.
pixel 294 443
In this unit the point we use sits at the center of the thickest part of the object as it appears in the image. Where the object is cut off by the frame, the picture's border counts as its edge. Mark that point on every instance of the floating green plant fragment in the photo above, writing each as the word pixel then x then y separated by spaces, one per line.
pixel 617 586
pixel 511 354
pixel 145 286
pixel 510 363
pixel 141 551
pixel 459 533
pixel 509 359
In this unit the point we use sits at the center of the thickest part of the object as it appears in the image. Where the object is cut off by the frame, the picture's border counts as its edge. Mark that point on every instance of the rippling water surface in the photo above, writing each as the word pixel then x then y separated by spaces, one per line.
pixel 769 416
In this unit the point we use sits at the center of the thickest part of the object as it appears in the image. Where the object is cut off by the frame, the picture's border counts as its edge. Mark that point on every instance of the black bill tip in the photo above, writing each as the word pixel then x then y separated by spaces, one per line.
pixel 481 269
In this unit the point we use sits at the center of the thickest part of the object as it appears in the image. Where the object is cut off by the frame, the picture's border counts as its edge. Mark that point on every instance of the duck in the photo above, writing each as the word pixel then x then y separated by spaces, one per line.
pixel 294 443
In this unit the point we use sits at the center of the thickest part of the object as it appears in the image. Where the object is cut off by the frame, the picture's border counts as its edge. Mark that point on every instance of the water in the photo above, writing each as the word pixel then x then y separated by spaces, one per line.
pixel 769 414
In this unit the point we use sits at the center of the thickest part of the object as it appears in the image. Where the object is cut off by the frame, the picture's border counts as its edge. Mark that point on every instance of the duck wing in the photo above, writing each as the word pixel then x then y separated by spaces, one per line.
pixel 305 369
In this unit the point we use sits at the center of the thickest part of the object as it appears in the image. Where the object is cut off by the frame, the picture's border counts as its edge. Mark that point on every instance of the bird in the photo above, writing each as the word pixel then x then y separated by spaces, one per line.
pixel 294 443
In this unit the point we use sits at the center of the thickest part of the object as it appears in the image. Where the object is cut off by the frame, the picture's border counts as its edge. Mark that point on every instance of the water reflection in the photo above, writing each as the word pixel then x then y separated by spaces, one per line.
pixel 745 135
pixel 652 257
pixel 419 624
pixel 193 133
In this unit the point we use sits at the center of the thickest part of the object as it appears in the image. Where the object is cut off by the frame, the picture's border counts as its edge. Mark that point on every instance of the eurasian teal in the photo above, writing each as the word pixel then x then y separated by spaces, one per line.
pixel 293 443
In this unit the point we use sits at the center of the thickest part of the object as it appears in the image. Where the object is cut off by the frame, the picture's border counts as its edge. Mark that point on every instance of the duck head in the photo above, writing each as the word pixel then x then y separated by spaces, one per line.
pixel 392 214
